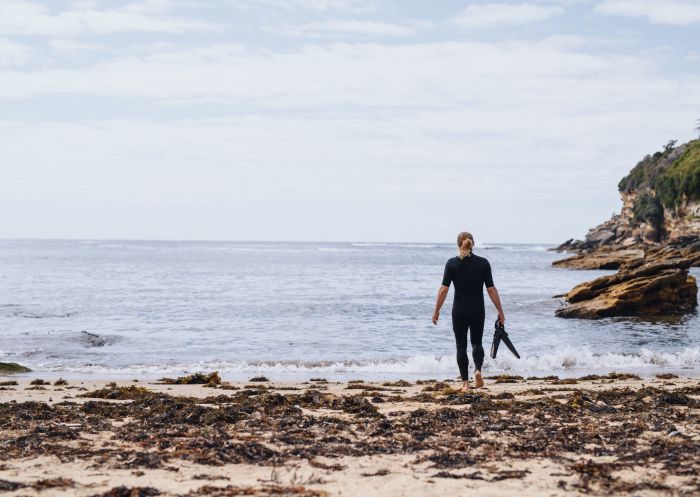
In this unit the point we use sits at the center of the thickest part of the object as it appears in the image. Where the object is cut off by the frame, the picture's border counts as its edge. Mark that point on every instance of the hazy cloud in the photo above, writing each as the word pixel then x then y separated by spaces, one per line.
pixel 32 18
pixel 361 121
pixel 505 14
pixel 674 12
pixel 363 28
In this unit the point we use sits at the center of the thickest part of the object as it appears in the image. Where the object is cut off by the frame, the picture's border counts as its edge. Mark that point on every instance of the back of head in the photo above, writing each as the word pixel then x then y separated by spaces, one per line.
pixel 465 242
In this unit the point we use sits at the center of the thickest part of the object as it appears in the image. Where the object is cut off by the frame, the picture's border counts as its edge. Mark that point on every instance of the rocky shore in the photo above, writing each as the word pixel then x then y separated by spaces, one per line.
pixel 652 242
pixel 598 435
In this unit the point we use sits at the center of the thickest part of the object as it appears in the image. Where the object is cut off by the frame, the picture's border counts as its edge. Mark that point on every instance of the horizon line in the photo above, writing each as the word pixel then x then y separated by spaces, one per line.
pixel 184 240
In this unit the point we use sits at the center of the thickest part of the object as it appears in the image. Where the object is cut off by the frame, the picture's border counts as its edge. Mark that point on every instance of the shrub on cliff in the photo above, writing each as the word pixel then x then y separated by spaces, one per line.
pixel 648 209
pixel 671 175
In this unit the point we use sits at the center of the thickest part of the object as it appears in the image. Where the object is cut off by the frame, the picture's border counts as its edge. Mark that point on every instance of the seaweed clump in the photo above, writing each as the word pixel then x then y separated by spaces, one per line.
pixel 210 379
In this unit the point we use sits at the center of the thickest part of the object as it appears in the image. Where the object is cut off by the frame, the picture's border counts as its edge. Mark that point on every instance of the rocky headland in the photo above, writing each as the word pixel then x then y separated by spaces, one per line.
pixel 652 242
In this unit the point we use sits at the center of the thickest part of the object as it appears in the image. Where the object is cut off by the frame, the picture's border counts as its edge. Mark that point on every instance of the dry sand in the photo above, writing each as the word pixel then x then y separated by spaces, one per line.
pixel 535 437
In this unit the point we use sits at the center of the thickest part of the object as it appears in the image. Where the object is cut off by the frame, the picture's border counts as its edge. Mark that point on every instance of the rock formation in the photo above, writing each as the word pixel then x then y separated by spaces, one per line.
pixel 650 289
pixel 660 205
pixel 653 242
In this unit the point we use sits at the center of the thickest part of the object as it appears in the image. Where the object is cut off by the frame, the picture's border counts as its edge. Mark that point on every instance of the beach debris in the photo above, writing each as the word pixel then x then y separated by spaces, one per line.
pixel 9 486
pixel 194 379
pixel 263 491
pixel 129 492
pixel 476 475
pixel 399 383
pixel 330 467
pixel 379 472
pixel 114 392
pixel 629 425
pixel 666 376
pixel 506 378
pixel 205 476
pixel 13 367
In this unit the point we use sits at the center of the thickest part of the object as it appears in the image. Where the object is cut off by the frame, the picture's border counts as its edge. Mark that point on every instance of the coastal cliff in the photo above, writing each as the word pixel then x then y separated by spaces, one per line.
pixel 652 241
pixel 660 207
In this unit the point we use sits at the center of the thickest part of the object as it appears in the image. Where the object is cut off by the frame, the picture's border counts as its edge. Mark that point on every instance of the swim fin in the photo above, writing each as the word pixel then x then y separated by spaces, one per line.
pixel 498 335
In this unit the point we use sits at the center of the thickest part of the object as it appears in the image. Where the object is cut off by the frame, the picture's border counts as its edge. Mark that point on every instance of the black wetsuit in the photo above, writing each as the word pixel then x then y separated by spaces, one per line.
pixel 469 276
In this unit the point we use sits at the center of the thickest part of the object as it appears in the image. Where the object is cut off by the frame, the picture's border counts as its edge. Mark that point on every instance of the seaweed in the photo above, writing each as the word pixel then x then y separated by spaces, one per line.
pixel 506 378
pixel 260 379
pixel 399 383
pixel 633 427
pixel 39 381
pixel 129 492
pixel 263 491
pixel 194 379
pixel 131 392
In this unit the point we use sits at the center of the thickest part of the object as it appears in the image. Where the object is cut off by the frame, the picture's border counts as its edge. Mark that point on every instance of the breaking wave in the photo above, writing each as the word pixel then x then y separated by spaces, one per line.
pixel 567 362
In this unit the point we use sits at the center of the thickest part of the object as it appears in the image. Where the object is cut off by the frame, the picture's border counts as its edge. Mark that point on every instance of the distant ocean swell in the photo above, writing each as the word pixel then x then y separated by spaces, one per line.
pixel 567 362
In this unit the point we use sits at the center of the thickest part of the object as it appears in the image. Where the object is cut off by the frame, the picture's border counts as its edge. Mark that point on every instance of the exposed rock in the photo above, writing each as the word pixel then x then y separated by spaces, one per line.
pixel 650 289
pixel 602 259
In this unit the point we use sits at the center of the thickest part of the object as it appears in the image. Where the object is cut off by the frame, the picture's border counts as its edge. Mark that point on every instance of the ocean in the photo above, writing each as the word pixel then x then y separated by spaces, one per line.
pixel 293 311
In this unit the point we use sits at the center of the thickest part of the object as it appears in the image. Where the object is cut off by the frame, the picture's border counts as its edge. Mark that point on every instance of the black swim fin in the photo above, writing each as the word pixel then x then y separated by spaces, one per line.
pixel 498 335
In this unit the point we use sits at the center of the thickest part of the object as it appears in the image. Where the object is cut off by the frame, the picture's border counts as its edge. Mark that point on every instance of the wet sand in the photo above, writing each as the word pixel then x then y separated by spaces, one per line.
pixel 611 435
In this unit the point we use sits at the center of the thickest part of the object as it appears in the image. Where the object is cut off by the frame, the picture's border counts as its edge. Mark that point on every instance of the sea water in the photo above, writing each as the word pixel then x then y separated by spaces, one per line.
pixel 292 311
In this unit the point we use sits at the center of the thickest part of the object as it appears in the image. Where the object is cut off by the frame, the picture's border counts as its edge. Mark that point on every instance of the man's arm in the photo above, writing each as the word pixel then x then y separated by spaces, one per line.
pixel 496 299
pixel 441 296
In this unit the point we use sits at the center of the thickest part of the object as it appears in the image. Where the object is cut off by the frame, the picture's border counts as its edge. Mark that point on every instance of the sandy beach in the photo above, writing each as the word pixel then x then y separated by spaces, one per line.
pixel 610 435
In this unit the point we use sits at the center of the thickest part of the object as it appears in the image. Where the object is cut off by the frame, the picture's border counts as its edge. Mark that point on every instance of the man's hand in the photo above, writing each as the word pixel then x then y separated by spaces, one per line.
pixel 501 318
pixel 436 316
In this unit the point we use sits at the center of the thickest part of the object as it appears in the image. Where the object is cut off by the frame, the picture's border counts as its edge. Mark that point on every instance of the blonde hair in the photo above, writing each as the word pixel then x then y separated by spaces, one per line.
pixel 465 242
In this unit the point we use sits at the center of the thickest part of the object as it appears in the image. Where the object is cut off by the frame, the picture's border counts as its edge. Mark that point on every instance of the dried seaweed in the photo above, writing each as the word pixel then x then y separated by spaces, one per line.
pixel 633 427
pixel 399 383
pixel 263 491
pixel 194 379
pixel 129 492
pixel 506 378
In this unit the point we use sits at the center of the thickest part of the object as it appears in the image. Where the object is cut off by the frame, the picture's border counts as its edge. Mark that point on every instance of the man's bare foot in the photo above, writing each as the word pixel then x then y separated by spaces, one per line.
pixel 478 380
pixel 465 386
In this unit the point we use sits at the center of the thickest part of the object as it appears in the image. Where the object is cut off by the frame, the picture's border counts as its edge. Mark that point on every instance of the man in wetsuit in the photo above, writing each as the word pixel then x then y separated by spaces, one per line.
pixel 469 273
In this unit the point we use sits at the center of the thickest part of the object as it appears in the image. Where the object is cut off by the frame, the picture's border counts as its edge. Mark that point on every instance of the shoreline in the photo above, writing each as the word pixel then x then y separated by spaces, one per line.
pixel 646 371
pixel 616 434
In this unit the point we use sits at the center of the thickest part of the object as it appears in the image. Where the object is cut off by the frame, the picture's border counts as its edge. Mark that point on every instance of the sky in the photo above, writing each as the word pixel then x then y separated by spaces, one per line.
pixel 335 120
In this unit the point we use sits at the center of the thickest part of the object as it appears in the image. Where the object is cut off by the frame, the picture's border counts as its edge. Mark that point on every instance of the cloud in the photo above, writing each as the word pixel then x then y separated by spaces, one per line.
pixel 364 28
pixel 505 14
pixel 365 75
pixel 341 141
pixel 31 18
pixel 12 53
pixel 308 5
pixel 673 12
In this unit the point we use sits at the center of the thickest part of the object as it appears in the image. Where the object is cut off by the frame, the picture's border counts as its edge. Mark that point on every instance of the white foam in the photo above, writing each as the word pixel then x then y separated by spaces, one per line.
pixel 563 361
